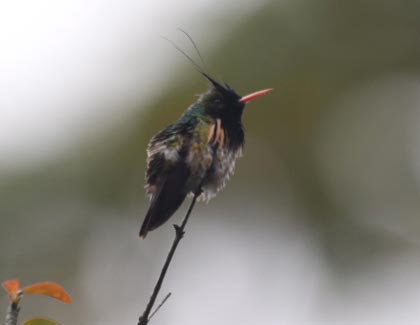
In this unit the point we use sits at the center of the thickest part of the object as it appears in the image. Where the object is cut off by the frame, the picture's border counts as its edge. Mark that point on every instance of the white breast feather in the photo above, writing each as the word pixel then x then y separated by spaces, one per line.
pixel 224 167
pixel 170 152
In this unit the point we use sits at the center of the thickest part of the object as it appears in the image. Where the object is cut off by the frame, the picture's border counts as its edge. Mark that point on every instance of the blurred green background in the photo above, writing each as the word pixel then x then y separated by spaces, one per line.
pixel 320 223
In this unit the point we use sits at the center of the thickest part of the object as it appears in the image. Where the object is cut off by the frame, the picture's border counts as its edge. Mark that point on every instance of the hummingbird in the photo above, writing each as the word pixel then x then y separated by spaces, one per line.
pixel 196 155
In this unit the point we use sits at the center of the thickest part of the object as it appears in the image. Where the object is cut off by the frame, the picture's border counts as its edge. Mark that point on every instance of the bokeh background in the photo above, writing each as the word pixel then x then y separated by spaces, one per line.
pixel 319 225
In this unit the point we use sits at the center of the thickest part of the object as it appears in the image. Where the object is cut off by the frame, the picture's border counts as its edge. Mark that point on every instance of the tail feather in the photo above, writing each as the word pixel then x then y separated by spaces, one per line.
pixel 167 199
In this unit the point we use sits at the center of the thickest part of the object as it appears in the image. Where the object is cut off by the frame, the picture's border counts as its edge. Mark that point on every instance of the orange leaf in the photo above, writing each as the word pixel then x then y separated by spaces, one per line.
pixel 12 288
pixel 50 289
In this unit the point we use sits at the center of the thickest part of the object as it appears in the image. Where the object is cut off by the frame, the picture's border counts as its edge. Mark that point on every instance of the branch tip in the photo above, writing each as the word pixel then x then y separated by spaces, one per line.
pixel 179 233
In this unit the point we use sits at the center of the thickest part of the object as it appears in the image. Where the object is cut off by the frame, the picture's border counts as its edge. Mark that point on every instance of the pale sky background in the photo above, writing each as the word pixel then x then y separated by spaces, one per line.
pixel 71 69
pixel 67 67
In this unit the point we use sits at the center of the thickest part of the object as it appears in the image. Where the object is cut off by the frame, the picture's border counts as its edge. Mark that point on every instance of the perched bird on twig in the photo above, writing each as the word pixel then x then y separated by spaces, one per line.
pixel 195 155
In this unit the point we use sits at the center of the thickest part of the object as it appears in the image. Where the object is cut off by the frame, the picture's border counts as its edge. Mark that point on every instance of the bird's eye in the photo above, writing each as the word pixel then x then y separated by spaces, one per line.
pixel 217 101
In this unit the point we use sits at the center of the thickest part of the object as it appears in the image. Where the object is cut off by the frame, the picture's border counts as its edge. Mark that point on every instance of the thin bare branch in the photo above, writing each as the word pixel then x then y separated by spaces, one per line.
pixel 160 305
pixel 179 233
pixel 12 314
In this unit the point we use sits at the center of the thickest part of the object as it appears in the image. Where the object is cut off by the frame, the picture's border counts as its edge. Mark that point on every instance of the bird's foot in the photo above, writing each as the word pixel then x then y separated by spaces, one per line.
pixel 179 232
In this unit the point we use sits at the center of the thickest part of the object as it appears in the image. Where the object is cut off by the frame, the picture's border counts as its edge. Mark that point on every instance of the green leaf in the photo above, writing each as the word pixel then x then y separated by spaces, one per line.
pixel 40 321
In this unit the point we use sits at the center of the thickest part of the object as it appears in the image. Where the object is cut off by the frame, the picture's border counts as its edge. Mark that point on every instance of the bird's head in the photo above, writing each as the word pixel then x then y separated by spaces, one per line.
pixel 222 102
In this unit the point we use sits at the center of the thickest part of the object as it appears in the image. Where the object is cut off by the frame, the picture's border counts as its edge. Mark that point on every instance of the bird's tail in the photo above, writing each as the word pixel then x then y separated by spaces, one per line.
pixel 160 211
pixel 166 200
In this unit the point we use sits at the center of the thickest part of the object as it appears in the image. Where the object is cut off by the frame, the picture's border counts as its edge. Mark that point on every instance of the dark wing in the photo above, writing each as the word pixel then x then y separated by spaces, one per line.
pixel 169 196
pixel 166 175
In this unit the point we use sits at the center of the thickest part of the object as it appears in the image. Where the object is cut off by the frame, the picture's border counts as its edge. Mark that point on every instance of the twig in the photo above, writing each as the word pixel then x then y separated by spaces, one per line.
pixel 160 305
pixel 12 314
pixel 179 233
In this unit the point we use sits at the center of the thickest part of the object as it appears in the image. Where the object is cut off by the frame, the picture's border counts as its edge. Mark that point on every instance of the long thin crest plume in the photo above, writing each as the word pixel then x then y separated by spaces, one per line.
pixel 223 88
pixel 195 47
pixel 200 69
pixel 217 85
